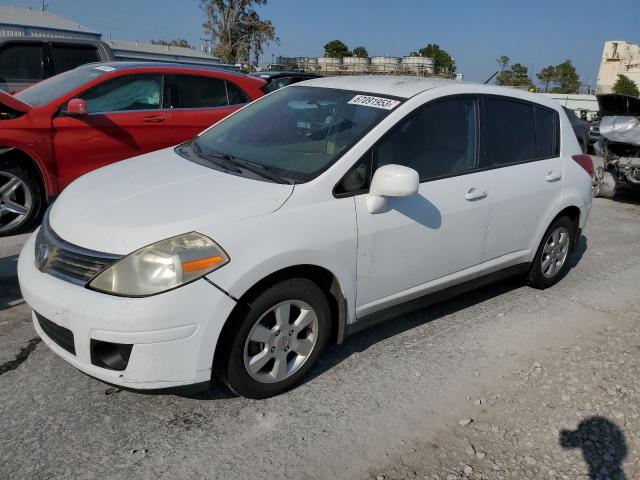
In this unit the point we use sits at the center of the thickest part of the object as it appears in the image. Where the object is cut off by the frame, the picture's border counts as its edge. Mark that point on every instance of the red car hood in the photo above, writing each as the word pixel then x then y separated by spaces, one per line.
pixel 13 103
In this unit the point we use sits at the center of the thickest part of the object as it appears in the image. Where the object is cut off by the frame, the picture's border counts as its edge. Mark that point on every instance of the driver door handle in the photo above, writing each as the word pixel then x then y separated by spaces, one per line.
pixel 475 194
pixel 553 176
pixel 154 119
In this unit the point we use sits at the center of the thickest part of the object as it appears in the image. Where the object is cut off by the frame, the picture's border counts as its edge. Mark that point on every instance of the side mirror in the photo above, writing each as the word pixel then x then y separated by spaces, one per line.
pixel 391 181
pixel 76 107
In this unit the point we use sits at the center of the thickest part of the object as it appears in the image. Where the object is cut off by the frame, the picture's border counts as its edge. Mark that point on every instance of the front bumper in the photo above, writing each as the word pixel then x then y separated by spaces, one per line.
pixel 174 334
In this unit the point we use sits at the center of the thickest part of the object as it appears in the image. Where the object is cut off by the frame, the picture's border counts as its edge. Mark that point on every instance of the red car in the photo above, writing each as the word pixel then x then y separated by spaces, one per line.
pixel 97 114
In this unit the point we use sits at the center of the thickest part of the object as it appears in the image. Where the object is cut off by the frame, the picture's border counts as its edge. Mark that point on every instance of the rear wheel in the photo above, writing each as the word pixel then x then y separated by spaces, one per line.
pixel 20 200
pixel 280 337
pixel 550 262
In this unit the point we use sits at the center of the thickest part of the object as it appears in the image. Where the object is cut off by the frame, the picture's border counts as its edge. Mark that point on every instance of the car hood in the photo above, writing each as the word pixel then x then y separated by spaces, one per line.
pixel 13 103
pixel 131 204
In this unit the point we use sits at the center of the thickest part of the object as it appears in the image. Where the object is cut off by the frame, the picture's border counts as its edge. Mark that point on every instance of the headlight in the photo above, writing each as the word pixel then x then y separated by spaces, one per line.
pixel 161 266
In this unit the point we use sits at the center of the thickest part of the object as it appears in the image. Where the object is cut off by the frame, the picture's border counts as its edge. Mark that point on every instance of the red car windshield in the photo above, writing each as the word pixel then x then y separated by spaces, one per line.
pixel 48 90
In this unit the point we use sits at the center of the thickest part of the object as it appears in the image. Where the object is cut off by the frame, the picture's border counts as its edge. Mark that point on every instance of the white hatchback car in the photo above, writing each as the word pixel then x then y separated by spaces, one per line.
pixel 305 216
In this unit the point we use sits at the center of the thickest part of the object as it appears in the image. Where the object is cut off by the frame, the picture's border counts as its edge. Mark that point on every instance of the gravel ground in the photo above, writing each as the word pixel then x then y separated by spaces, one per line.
pixel 505 382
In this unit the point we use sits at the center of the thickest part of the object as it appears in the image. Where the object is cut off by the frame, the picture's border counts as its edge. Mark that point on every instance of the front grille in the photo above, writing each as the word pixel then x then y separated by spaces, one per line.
pixel 60 335
pixel 66 261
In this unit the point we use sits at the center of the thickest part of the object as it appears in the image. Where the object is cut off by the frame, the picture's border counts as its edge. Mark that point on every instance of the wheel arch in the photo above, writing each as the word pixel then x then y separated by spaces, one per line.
pixel 321 276
pixel 30 162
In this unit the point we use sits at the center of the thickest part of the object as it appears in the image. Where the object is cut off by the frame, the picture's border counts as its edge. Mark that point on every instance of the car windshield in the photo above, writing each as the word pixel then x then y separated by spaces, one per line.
pixel 295 133
pixel 48 90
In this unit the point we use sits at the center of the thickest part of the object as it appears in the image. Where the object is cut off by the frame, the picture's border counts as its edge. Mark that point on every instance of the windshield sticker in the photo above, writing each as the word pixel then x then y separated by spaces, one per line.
pixel 105 68
pixel 375 102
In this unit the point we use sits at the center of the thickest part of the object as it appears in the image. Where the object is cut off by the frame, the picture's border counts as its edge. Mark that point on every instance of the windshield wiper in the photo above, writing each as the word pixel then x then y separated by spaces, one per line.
pixel 259 169
pixel 233 164
pixel 215 158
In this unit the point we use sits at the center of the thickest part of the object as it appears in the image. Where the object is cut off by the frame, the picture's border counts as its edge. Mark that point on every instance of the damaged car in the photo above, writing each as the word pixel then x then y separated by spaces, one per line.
pixel 619 145
pixel 98 114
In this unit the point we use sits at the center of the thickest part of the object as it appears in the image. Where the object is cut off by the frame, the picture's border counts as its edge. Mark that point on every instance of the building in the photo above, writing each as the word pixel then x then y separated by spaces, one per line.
pixel 124 50
pixel 36 23
pixel 618 57
pixel 29 22
pixel 579 103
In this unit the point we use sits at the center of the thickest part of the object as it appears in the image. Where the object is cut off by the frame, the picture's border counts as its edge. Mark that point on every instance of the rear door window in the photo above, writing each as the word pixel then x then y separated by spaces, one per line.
pixel 510 132
pixel 202 92
pixel 68 57
pixel 438 140
pixel 21 62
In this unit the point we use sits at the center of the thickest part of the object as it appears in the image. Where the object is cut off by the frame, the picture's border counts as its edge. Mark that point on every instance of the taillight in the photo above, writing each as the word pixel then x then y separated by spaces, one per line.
pixel 585 162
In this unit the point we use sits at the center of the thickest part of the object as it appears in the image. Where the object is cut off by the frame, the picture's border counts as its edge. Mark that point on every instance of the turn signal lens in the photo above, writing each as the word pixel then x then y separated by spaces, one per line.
pixel 202 264
pixel 162 266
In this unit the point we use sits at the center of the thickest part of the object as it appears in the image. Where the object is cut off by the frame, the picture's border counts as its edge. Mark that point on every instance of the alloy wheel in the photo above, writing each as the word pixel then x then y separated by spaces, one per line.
pixel 16 201
pixel 281 341
pixel 555 252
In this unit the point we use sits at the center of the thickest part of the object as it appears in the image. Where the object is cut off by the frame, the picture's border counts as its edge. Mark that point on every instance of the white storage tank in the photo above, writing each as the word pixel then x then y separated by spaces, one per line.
pixel 329 64
pixel 385 64
pixel 356 64
pixel 418 65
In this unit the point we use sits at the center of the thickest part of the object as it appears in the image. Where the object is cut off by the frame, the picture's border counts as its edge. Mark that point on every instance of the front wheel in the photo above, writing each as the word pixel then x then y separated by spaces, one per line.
pixel 20 200
pixel 284 330
pixel 551 260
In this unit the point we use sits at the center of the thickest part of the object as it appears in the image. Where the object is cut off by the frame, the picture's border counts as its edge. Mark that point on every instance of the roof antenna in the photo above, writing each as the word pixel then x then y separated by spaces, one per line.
pixel 44 6
pixel 490 78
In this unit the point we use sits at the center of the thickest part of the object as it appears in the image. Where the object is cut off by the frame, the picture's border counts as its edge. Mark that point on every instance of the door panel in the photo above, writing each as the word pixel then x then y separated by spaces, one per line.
pixel 125 119
pixel 420 238
pixel 523 152
pixel 523 200
pixel 190 122
pixel 437 232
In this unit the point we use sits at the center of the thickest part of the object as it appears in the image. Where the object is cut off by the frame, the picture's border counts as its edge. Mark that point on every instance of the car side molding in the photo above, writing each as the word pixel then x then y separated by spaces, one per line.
pixel 433 298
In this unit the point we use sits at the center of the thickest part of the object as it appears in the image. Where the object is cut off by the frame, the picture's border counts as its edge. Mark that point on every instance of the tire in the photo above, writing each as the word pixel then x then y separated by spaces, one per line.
pixel 606 187
pixel 280 358
pixel 552 258
pixel 18 190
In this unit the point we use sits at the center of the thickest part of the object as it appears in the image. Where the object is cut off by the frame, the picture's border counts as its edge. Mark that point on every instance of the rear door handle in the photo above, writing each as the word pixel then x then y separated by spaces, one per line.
pixel 155 119
pixel 553 176
pixel 475 194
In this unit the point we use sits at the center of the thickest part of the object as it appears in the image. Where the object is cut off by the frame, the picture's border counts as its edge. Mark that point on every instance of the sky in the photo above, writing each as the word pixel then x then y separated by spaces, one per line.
pixel 475 32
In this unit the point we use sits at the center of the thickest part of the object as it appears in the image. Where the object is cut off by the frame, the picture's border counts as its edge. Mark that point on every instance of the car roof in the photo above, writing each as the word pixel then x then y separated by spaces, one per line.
pixel 130 65
pixel 272 75
pixel 396 86
pixel 408 86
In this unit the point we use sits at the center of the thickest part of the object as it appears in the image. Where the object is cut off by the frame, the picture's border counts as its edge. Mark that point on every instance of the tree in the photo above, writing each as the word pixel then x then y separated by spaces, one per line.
pixel 235 30
pixel 503 61
pixel 360 52
pixel 625 86
pixel 336 49
pixel 444 63
pixel 546 76
pixel 566 78
pixel 516 76
pixel 176 42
